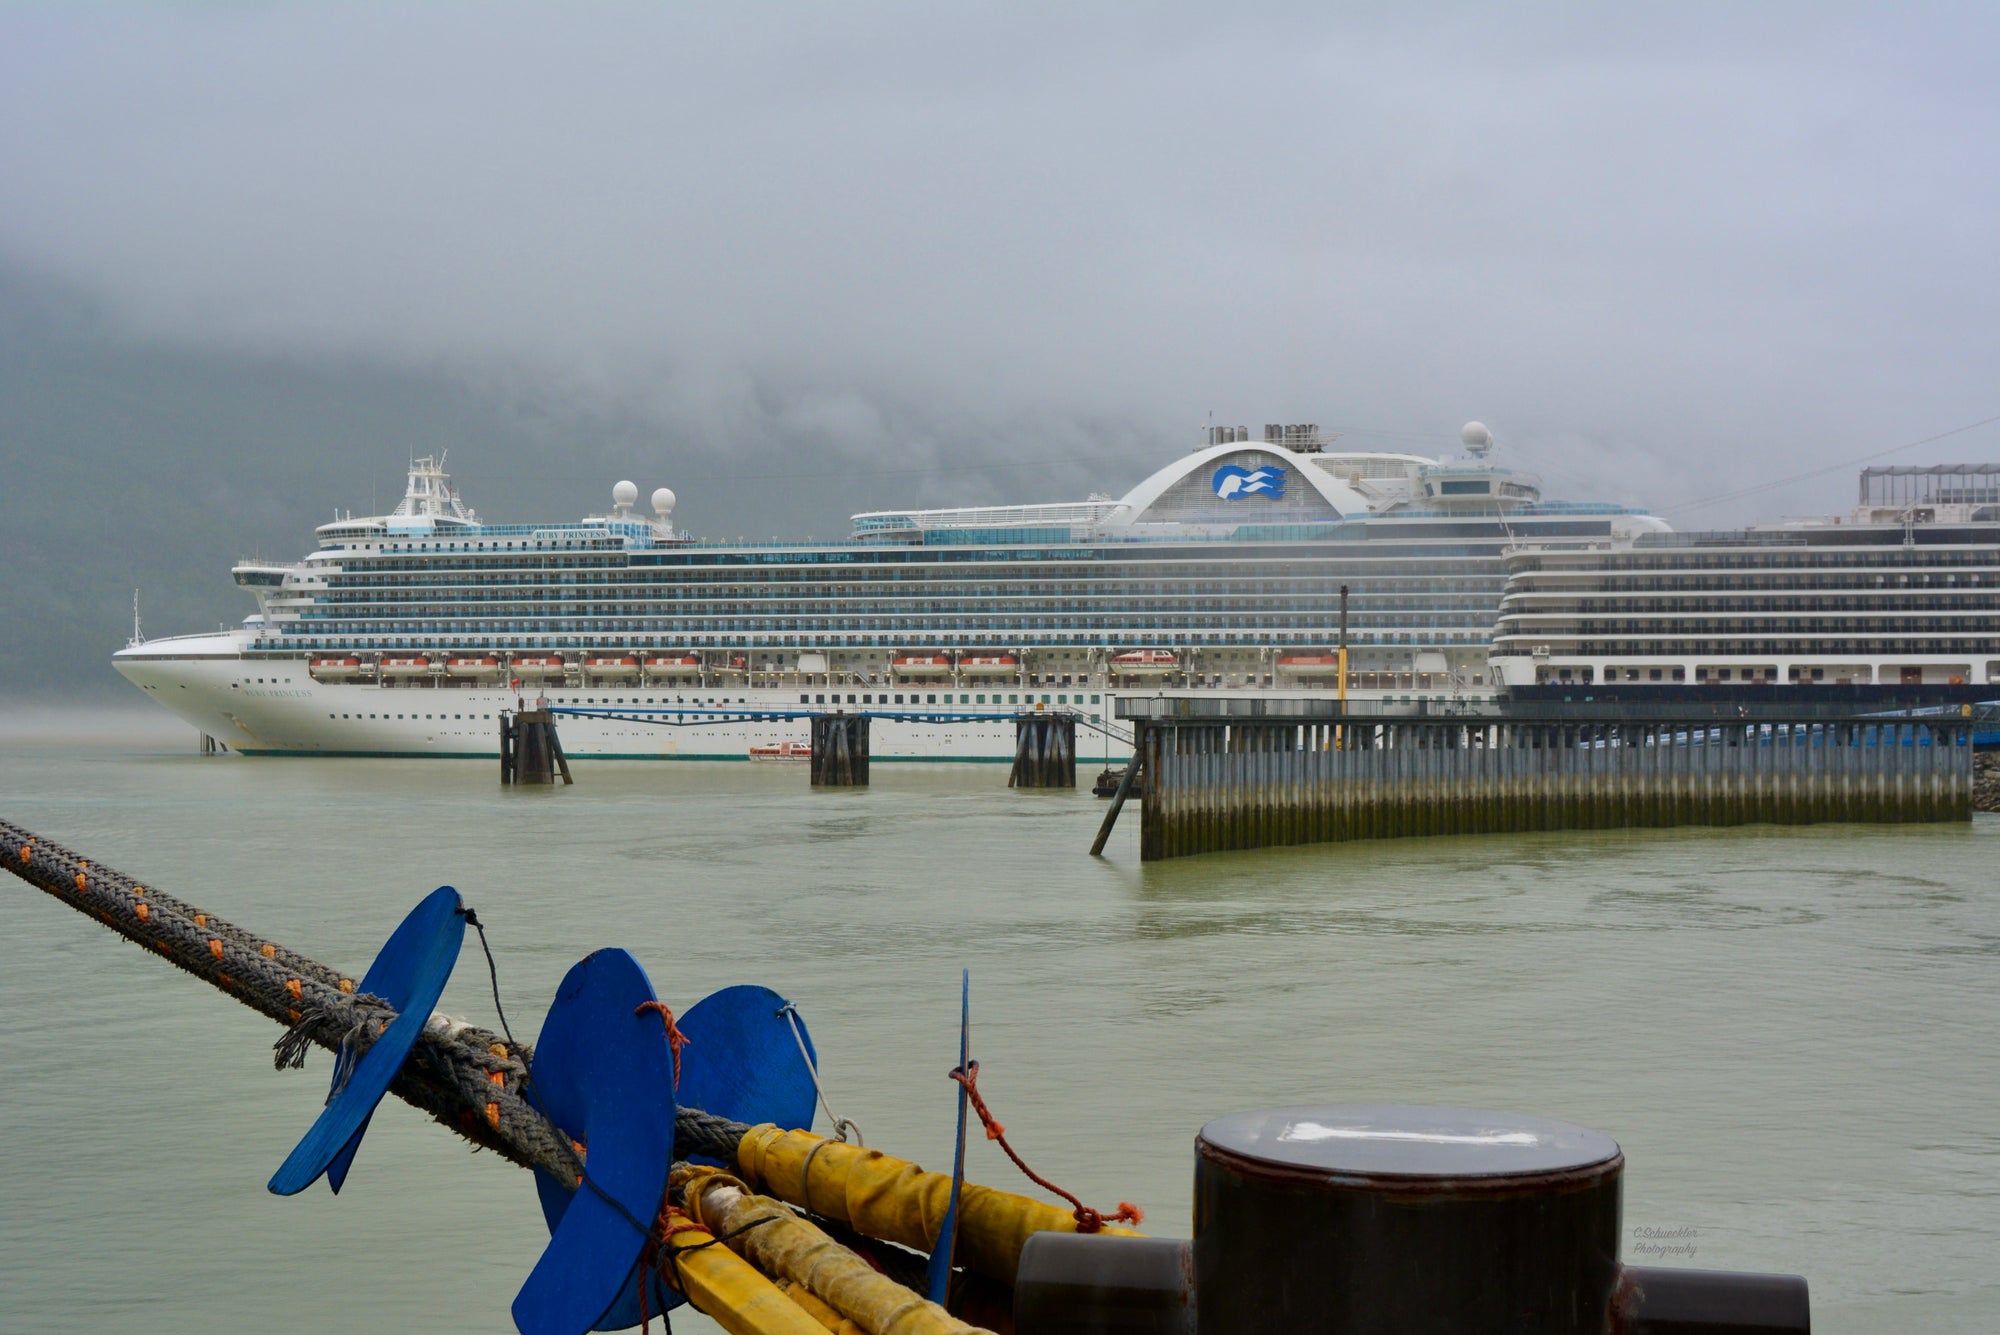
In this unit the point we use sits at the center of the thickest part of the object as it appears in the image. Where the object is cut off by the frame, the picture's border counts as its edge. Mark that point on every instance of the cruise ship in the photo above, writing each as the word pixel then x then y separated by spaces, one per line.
pixel 1896 602
pixel 1229 570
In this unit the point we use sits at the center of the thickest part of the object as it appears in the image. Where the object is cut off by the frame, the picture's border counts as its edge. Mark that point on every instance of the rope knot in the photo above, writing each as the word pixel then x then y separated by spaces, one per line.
pixel 676 1040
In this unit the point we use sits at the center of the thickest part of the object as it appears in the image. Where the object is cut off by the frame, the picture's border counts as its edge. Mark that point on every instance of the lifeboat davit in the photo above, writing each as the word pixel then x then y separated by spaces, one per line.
pixel 1145 663
pixel 412 665
pixel 920 665
pixel 611 665
pixel 672 665
pixel 538 667
pixel 335 669
pixel 482 668
pixel 1310 665
pixel 989 665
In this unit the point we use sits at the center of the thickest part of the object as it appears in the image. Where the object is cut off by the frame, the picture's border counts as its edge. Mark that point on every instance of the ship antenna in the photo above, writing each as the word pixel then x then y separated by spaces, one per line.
pixel 138 636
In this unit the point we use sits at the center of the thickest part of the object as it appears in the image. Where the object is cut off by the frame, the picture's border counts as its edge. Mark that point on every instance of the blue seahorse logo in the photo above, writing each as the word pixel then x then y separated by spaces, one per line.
pixel 1231 482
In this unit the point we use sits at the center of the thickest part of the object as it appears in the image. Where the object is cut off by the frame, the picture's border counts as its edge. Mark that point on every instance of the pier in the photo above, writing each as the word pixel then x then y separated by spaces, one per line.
pixel 1225 774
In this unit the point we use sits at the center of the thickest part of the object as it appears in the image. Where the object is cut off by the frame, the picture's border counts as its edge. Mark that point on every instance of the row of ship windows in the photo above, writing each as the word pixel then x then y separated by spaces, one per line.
pixel 928 563
pixel 1736 648
pixel 1318 596
pixel 1379 588
pixel 1965 600
pixel 602 637
pixel 866 698
pixel 1984 624
pixel 855 621
pixel 1767 564
pixel 439 618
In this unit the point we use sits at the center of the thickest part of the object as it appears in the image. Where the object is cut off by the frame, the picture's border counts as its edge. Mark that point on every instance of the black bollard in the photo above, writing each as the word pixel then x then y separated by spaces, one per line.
pixel 1353 1218
pixel 840 750
pixel 1376 1218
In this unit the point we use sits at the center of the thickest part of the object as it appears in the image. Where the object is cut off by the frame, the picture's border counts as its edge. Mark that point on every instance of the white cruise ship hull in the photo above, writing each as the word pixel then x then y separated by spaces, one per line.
pixel 275 708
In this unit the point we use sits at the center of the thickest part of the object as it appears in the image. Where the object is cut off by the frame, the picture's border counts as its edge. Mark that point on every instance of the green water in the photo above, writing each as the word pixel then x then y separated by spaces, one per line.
pixel 1791 1031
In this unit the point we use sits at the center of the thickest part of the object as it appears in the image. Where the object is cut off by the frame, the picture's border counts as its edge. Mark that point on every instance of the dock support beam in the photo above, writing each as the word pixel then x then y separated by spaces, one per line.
pixel 840 751
pixel 1130 777
pixel 1044 751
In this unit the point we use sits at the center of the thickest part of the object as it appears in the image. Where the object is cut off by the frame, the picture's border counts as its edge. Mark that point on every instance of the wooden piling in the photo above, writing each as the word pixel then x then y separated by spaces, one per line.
pixel 530 750
pixel 1044 751
pixel 840 751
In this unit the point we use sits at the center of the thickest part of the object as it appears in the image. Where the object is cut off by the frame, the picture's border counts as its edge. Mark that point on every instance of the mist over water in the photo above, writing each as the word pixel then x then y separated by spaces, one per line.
pixel 1788 1030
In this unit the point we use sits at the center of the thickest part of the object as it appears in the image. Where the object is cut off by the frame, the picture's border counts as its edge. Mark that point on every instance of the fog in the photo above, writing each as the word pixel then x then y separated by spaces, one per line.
pixel 800 260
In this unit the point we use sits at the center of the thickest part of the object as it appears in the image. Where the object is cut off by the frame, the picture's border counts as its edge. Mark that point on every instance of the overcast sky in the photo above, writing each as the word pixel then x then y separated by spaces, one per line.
pixel 1668 253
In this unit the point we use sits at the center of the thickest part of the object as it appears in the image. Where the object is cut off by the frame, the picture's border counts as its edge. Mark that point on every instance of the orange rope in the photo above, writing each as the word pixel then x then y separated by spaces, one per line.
pixel 1087 1219
pixel 676 1040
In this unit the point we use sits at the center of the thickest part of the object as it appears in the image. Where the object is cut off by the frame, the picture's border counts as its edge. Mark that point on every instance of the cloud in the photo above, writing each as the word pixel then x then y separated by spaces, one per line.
pixel 1660 252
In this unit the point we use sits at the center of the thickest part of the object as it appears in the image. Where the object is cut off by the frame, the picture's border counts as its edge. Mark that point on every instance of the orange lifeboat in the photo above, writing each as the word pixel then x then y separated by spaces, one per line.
pixel 787 750
pixel 608 666
pixel 1310 665
pixel 407 665
pixel 485 667
pixel 737 665
pixel 920 665
pixel 672 665
pixel 989 665
pixel 335 669
pixel 1145 663
pixel 539 667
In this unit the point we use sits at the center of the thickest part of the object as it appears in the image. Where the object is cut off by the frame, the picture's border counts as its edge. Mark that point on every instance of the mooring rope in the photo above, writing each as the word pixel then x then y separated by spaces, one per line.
pixel 470 1079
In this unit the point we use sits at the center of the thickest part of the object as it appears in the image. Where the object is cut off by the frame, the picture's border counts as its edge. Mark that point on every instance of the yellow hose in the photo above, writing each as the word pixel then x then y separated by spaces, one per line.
pixel 818 1310
pixel 884 1197
pixel 782 1245
pixel 729 1291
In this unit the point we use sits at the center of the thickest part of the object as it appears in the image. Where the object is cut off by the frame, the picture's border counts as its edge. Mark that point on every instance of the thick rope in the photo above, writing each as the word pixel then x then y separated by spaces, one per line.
pixel 470 1079
pixel 1087 1219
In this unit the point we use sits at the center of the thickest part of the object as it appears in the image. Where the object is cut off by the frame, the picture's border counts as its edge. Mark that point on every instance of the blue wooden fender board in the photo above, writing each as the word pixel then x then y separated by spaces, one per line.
pixel 604 1074
pixel 741 1062
pixel 410 975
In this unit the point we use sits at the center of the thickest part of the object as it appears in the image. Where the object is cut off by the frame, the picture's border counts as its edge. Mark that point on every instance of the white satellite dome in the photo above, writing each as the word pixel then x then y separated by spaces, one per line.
pixel 1476 436
pixel 625 495
pixel 663 502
